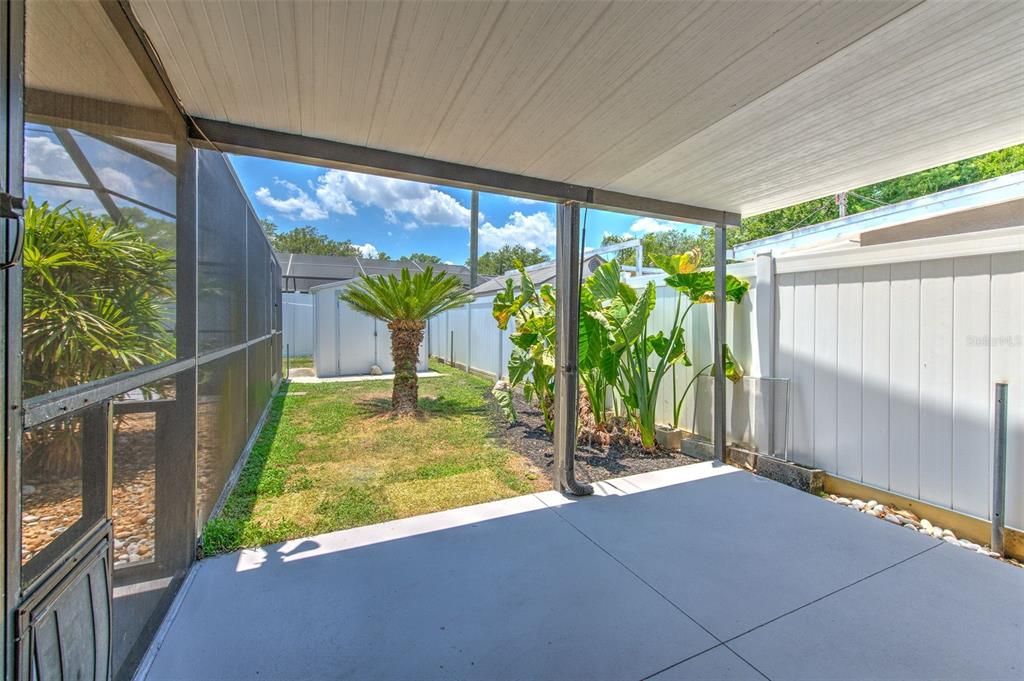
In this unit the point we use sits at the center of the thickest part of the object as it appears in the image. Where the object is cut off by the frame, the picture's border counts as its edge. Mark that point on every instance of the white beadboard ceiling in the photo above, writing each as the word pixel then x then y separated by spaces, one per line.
pixel 90 61
pixel 740 106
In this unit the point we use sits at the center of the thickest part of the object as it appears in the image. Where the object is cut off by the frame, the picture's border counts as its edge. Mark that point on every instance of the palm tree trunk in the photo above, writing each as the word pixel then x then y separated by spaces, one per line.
pixel 406 337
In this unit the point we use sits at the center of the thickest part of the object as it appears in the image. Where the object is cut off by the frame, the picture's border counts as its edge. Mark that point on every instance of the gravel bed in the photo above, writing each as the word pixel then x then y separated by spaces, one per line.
pixel 911 521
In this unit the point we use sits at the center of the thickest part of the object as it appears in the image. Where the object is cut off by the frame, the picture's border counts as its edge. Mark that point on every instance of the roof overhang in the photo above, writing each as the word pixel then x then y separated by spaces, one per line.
pixel 684 110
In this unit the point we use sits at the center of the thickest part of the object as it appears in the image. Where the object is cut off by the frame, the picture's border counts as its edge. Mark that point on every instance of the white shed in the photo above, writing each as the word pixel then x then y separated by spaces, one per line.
pixel 346 342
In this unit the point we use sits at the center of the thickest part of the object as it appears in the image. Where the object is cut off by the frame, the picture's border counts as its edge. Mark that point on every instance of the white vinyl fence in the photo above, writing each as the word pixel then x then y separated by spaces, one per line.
pixel 891 352
pixel 297 324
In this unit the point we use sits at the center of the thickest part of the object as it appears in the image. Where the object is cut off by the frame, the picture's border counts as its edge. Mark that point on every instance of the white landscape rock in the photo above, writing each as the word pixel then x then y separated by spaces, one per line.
pixel 858 504
pixel 894 519
pixel 926 524
pixel 871 504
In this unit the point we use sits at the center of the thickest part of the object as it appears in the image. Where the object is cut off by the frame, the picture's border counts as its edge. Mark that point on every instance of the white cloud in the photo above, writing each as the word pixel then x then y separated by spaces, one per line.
pixel 410 226
pixel 117 181
pixel 532 231
pixel 367 250
pixel 297 205
pixel 651 226
pixel 339 191
pixel 46 159
pixel 524 201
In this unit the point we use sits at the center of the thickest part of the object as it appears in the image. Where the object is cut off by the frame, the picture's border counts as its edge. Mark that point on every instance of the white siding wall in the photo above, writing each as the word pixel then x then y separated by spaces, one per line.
pixel 893 366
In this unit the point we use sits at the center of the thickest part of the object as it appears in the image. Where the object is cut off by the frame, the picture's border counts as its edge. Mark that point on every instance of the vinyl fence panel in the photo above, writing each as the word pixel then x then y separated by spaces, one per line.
pixel 893 366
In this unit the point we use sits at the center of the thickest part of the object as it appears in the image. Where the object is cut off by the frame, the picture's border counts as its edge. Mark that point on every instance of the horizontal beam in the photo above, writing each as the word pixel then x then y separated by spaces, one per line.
pixel 242 139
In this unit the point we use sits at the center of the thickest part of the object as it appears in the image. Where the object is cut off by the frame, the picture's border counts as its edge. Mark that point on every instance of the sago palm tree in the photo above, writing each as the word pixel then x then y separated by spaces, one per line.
pixel 406 303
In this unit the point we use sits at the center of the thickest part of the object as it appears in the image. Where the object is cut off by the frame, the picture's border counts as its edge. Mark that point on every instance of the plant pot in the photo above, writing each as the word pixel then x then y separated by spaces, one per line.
pixel 669 438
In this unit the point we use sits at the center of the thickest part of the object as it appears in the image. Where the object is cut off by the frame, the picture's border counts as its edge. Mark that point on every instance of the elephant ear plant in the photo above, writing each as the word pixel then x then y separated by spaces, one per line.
pixel 406 303
pixel 646 358
pixel 532 364
pixel 699 288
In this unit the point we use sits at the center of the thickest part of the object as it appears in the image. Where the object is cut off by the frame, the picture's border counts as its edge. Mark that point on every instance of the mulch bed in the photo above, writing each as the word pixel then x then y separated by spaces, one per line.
pixel 593 462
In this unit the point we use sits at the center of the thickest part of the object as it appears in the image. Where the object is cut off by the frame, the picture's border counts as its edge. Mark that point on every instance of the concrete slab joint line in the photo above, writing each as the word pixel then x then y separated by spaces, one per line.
pixel 702 571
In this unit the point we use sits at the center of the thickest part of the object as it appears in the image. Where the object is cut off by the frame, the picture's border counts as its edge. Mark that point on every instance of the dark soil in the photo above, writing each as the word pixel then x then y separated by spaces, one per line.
pixel 593 462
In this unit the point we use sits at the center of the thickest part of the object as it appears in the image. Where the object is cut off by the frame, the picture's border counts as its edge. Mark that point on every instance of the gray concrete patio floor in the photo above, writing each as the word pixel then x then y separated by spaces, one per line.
pixel 700 572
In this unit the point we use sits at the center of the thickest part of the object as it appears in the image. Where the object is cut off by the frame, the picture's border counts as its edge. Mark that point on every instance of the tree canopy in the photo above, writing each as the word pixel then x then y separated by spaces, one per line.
pixel 967 171
pixel 425 258
pixel 508 257
pixel 307 240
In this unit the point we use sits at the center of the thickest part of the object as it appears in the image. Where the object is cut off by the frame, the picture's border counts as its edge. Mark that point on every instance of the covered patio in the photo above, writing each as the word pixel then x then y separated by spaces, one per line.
pixel 687 113
pixel 702 572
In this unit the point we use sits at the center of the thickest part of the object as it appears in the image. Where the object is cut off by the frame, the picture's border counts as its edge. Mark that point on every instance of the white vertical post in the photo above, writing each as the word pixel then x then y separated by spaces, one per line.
pixel 474 234
pixel 764 346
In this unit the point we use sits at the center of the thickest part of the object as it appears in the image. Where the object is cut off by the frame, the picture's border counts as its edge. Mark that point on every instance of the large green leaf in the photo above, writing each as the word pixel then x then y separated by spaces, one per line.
pixel 519 365
pixel 659 344
pixel 610 364
pixel 699 287
pixel 603 284
pixel 636 320
pixel 506 305
pixel 681 263
pixel 524 340
pixel 733 369
pixel 504 400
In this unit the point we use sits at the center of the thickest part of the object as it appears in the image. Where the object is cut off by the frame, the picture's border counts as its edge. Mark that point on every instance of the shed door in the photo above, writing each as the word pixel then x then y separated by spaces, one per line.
pixel 356 342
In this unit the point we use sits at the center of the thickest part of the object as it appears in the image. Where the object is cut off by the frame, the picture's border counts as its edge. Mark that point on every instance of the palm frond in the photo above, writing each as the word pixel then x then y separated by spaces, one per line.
pixel 406 297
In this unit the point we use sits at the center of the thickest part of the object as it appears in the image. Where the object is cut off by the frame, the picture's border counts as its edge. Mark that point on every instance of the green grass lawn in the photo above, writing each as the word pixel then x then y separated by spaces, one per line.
pixel 299 362
pixel 331 457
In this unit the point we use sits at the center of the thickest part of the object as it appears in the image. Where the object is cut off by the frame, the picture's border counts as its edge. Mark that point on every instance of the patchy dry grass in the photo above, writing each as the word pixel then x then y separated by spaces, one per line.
pixel 331 457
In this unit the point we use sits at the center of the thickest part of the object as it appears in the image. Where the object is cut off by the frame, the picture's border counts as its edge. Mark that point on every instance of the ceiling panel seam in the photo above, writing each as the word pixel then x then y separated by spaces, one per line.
pixel 528 100
pixel 754 101
pixel 380 81
pixel 465 77
pixel 684 23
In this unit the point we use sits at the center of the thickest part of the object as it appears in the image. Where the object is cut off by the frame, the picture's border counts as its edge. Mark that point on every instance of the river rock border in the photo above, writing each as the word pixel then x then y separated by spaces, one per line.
pixel 910 520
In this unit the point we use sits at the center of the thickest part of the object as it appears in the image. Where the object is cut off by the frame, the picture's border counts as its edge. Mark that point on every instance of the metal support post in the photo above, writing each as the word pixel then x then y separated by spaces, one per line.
pixel 719 343
pixel 567 325
pixel 999 469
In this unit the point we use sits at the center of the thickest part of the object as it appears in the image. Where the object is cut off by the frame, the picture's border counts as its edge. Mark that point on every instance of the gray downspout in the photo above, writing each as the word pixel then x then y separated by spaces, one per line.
pixel 567 313
pixel 719 342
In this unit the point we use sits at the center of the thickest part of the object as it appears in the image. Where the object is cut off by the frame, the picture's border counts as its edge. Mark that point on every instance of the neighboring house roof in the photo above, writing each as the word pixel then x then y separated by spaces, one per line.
pixel 990 204
pixel 300 272
pixel 543 273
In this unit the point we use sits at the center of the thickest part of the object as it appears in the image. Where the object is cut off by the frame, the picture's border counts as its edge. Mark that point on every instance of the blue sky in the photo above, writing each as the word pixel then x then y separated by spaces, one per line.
pixel 400 217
